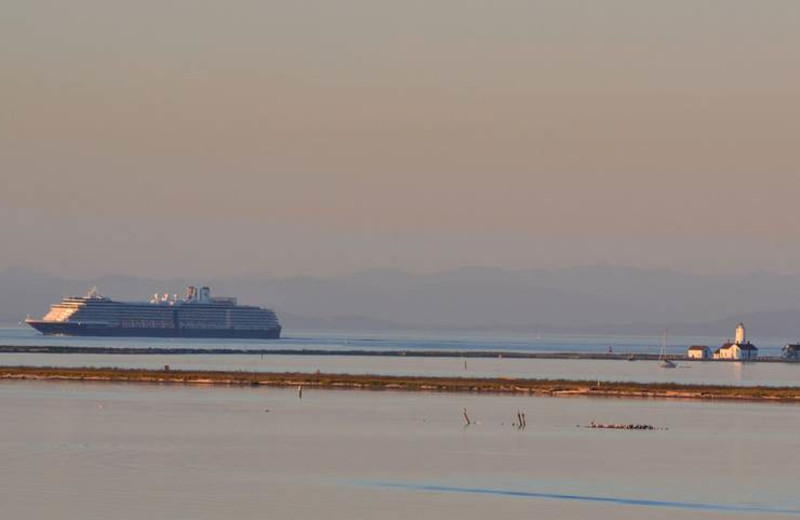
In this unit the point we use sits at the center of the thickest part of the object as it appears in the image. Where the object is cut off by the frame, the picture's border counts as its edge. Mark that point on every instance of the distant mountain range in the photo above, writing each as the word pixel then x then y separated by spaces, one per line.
pixel 593 299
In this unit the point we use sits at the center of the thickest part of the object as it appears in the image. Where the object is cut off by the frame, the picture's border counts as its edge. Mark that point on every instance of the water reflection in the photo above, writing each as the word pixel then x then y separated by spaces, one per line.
pixel 96 451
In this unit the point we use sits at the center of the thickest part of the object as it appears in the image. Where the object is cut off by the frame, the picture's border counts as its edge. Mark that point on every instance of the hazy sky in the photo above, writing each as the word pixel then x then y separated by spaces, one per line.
pixel 169 138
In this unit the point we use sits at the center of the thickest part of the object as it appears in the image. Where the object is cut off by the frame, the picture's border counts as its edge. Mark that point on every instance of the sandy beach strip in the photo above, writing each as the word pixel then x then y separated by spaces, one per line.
pixel 536 387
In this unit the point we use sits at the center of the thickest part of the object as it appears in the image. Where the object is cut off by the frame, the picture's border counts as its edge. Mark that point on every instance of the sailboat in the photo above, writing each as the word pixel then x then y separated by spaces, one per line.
pixel 663 362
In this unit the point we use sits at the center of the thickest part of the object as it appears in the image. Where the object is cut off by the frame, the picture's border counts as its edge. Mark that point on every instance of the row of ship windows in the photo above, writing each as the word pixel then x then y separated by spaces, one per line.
pixel 108 304
pixel 151 308
pixel 161 315
pixel 161 324
pixel 182 322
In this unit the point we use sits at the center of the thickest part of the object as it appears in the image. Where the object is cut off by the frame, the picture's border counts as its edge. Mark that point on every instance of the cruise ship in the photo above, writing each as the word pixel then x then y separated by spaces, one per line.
pixel 198 315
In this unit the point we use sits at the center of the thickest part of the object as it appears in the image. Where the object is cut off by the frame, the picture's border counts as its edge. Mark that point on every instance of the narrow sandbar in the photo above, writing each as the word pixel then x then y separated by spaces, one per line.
pixel 535 387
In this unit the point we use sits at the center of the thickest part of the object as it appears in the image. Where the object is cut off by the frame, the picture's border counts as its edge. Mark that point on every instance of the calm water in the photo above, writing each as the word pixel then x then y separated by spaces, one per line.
pixel 770 374
pixel 773 374
pixel 99 451
pixel 23 335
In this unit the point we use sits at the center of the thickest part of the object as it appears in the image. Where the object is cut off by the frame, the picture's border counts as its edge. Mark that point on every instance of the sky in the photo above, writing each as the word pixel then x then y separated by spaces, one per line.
pixel 291 138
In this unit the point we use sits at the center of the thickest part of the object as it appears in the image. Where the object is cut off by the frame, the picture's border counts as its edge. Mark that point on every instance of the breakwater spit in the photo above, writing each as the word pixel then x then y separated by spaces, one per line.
pixel 474 354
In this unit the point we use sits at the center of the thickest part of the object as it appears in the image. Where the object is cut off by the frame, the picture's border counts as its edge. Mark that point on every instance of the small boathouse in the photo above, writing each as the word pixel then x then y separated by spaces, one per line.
pixel 698 352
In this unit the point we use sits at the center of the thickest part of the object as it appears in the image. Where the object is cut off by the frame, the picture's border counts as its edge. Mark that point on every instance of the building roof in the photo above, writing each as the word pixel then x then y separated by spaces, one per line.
pixel 748 346
pixel 698 347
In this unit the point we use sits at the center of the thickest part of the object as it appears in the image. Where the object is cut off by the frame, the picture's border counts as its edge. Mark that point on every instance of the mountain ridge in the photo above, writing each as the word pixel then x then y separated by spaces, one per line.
pixel 589 299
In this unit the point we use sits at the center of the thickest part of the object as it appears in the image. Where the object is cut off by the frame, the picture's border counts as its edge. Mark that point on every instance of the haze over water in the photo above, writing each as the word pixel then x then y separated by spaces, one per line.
pixel 295 139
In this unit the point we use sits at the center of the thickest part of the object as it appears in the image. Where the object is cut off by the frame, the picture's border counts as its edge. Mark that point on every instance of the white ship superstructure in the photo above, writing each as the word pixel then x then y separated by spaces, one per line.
pixel 197 315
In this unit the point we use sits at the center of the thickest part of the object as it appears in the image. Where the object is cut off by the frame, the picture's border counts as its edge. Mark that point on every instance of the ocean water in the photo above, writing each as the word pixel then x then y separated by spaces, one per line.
pixel 128 451
pixel 720 373
pixel 410 341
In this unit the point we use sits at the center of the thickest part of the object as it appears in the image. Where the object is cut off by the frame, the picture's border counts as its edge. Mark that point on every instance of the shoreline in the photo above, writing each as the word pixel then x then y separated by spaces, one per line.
pixel 471 354
pixel 507 386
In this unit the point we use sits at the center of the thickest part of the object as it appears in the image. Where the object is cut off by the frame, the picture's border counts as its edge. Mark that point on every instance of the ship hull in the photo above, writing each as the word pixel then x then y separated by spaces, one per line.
pixel 86 329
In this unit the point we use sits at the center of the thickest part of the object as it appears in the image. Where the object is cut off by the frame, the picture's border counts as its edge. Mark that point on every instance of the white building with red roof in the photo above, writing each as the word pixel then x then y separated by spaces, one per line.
pixel 739 349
